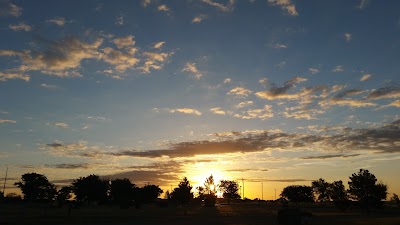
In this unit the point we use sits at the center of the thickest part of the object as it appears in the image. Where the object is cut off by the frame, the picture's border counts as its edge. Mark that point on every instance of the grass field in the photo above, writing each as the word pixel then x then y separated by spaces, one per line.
pixel 221 214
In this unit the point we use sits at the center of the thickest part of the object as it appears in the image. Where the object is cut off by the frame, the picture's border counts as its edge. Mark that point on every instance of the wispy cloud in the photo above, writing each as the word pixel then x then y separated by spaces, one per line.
pixel 313 70
pixel 262 114
pixel 20 27
pixel 13 75
pixel 279 46
pixel 191 68
pixel 338 69
pixel 366 77
pixel 163 8
pixel 330 156
pixel 347 37
pixel 186 111
pixel 228 7
pixel 285 5
pixel 119 20
pixel 61 125
pixel 158 45
pixel 363 4
pixel 8 9
pixel 218 111
pixel 281 92
pixel 239 91
pixel 227 80
pixel 244 104
pixel 124 42
pixel 199 18
pixel 59 21
pixel 49 86
pixel 7 121
pixel 385 92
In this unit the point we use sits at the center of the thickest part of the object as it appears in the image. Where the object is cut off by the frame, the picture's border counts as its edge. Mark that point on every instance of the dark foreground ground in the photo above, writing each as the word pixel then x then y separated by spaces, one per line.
pixel 220 215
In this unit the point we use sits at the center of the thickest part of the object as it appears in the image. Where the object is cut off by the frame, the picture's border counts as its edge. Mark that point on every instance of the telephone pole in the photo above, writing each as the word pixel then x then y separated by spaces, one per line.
pixel 5 181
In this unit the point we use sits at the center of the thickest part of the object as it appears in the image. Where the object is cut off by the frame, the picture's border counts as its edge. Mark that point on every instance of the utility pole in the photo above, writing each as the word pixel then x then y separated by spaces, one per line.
pixel 5 181
pixel 243 187
pixel 262 190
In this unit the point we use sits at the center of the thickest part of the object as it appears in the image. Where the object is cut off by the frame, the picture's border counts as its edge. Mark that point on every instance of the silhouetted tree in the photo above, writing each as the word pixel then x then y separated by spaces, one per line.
pixel 363 187
pixel 148 193
pixel 230 189
pixel 210 190
pixel 90 188
pixel 63 194
pixel 200 192
pixel 395 199
pixel 36 187
pixel 297 193
pixel 122 191
pixel 320 188
pixel 183 193
pixel 337 192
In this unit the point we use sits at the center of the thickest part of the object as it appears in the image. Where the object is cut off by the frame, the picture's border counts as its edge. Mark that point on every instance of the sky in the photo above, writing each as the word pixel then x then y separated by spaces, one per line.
pixel 277 92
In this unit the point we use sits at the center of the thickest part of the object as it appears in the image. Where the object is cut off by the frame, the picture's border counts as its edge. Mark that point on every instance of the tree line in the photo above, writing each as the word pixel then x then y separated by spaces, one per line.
pixel 363 188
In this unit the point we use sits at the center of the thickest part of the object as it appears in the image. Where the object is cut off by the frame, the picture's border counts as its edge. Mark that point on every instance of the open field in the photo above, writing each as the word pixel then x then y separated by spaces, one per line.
pixel 221 214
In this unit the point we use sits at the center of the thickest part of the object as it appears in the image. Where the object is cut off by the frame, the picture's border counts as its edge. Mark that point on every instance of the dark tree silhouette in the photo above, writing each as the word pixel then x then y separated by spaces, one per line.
pixel 148 193
pixel 363 187
pixel 200 192
pixel 337 192
pixel 210 189
pixel 395 199
pixel 183 193
pixel 321 189
pixel 90 188
pixel 36 187
pixel 297 193
pixel 63 195
pixel 122 191
pixel 230 189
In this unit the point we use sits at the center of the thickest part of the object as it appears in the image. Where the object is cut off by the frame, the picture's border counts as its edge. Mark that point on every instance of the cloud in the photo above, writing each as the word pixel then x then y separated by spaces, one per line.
pixel 285 5
pixel 281 92
pixel 244 104
pixel 191 68
pixel 239 91
pixel 227 80
pixel 49 86
pixel 218 111
pixel 121 60
pixel 366 77
pixel 124 42
pixel 308 114
pixel 79 149
pixel 154 61
pixel 7 121
pixel 68 166
pixel 363 4
pixel 228 7
pixel 395 104
pixel 347 37
pixel 263 81
pixel 13 75
pixel 61 125
pixel 186 111
pixel 313 70
pixel 339 99
pixel 119 20
pixel 59 21
pixel 20 27
pixel 199 18
pixel 158 45
pixel 8 9
pixel 385 92
pixel 330 156
pixel 58 59
pixel 338 69
pixel 163 8
pixel 145 3
pixel 279 46
pixel 262 114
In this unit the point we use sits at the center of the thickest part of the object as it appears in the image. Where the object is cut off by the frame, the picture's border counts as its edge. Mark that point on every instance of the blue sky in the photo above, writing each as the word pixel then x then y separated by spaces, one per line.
pixel 275 91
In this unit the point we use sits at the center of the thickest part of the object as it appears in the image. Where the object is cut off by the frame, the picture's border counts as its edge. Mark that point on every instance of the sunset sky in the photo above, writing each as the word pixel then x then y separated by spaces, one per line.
pixel 275 91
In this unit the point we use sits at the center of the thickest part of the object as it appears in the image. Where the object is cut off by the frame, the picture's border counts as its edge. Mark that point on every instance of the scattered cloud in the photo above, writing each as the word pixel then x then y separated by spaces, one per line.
pixel 239 91
pixel 121 60
pixel 124 42
pixel 395 104
pixel 68 166
pixel 119 20
pixel 385 92
pixel 244 104
pixel 61 125
pixel 8 9
pixel 13 75
pixel 363 4
pixel 228 7
pixel 330 156
pixel 163 8
pixel 281 92
pixel 99 7
pixel 263 81
pixel 49 86
pixel 218 111
pixel 313 70
pixel 59 21
pixel 7 121
pixel 262 114
pixel 366 77
pixel 338 69
pixel 158 45
pixel 227 80
pixel 199 18
pixel 145 3
pixel 279 46
pixel 347 37
pixel 186 111
pixel 285 5
pixel 191 68
pixel 20 27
